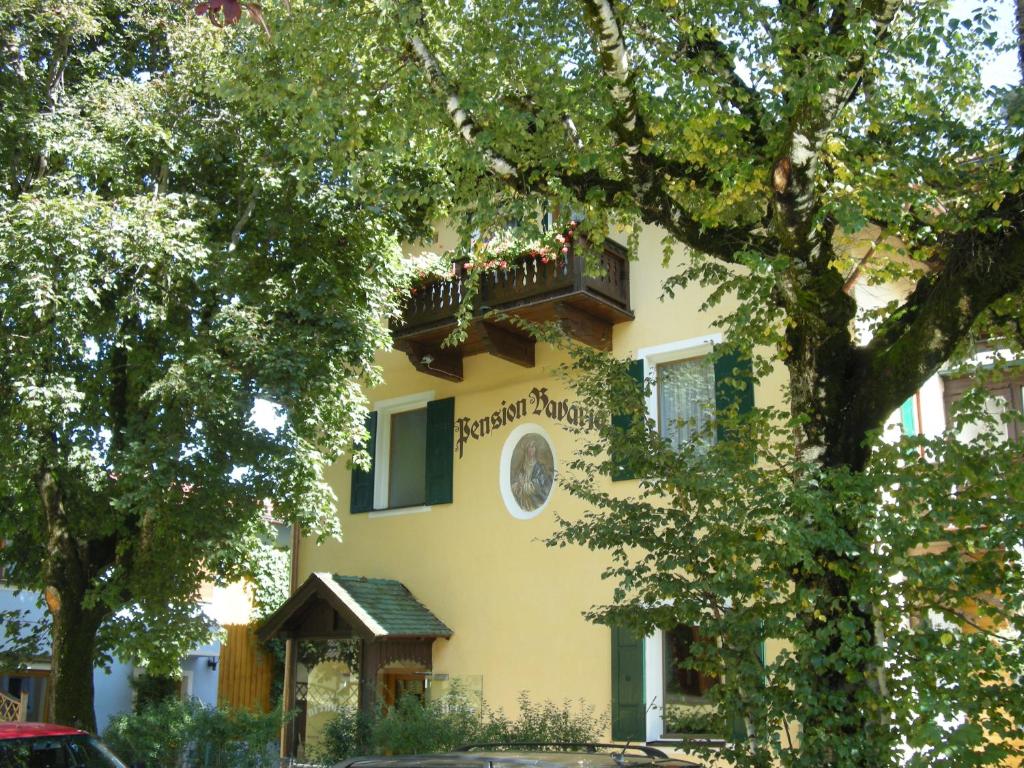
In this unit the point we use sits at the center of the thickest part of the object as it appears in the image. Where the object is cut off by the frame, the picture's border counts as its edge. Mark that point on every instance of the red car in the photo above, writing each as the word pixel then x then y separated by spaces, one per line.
pixel 41 745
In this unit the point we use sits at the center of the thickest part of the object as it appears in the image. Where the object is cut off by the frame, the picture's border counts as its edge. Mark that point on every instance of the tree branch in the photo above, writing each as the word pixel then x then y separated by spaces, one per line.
pixel 571 132
pixel 916 341
pixel 720 61
pixel 243 219
pixel 462 121
pixel 614 58
pixel 1020 37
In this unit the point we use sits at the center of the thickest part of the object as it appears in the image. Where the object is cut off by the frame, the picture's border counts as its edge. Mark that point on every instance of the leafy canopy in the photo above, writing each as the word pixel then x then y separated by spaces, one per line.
pixel 168 259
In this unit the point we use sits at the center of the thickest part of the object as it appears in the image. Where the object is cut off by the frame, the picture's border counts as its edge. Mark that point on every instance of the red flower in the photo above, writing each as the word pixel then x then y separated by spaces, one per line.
pixel 565 249
pixel 231 10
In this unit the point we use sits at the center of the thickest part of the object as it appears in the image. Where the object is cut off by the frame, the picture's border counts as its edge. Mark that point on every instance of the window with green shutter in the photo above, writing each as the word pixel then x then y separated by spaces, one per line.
pixel 908 416
pixel 412 446
pixel 690 390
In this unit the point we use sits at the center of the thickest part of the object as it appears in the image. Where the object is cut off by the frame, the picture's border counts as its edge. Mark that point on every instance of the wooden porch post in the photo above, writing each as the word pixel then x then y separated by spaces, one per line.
pixel 288 727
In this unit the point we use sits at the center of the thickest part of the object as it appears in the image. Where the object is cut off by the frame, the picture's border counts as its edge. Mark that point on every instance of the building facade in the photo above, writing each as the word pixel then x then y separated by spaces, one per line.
pixel 442 578
pixel 467 447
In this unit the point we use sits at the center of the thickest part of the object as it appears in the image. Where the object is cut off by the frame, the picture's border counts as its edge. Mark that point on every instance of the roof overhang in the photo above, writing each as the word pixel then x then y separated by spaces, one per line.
pixel 323 608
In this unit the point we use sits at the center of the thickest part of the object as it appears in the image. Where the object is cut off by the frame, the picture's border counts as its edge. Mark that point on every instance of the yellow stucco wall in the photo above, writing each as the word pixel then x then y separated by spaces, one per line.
pixel 514 604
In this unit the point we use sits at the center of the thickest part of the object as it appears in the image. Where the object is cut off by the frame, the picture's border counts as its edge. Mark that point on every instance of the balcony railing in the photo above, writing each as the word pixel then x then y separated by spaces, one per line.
pixel 587 302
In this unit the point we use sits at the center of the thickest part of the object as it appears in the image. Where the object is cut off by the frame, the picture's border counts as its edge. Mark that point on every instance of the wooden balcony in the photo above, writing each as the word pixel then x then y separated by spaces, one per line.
pixel 586 305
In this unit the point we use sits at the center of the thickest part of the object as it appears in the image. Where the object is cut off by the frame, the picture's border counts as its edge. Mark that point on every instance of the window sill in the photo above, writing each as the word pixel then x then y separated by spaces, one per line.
pixel 399 511
pixel 672 740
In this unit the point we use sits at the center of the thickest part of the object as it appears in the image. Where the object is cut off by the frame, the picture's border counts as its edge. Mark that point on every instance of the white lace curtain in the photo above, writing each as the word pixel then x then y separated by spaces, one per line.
pixel 686 400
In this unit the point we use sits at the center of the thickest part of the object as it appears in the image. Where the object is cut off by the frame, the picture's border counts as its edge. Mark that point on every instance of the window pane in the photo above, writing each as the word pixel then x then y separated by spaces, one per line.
pixel 407 469
pixel 682 684
pixel 996 405
pixel 686 400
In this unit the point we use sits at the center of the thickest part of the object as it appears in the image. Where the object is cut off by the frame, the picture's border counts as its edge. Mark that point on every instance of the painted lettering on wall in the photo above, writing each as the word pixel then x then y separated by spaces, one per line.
pixel 537 403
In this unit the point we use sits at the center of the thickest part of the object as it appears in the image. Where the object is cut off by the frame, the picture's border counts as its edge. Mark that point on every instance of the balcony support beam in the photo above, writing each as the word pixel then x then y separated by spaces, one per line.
pixel 432 360
pixel 584 327
pixel 507 344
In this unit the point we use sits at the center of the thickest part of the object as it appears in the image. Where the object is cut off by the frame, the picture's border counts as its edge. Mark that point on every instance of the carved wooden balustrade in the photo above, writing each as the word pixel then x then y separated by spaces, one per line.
pixel 586 302
pixel 13 709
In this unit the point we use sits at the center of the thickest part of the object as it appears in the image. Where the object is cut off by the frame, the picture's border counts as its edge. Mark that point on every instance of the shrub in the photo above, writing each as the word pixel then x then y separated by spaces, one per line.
pixel 412 727
pixel 152 689
pixel 544 722
pixel 702 720
pixel 176 734
pixel 348 734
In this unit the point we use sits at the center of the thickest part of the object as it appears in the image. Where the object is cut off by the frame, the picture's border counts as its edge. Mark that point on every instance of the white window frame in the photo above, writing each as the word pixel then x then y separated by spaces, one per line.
pixel 675 351
pixel 654 680
pixel 187 681
pixel 382 454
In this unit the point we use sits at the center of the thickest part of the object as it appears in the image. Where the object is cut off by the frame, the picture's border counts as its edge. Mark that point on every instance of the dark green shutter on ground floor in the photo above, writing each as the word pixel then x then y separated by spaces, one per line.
pixel 628 710
pixel 737 725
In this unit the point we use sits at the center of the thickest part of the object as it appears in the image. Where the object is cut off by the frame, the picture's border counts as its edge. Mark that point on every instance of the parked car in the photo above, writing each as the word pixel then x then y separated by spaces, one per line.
pixel 41 745
pixel 539 755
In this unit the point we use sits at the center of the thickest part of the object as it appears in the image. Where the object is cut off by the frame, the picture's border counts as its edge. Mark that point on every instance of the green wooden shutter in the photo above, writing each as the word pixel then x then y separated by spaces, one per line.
pixel 362 481
pixel 734 384
pixel 628 711
pixel 624 421
pixel 737 727
pixel 908 417
pixel 440 450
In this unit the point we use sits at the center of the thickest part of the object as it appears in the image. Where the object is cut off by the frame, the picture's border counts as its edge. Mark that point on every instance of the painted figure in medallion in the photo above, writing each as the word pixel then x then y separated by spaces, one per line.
pixel 532 472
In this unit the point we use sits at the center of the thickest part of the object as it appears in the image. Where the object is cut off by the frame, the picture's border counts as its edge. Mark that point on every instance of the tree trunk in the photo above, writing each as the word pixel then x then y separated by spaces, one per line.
pixel 826 370
pixel 74 652
pixel 75 625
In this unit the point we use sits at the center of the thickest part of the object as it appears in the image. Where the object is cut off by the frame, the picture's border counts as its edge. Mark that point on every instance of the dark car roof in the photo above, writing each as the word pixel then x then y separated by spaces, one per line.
pixel 503 759
pixel 35 730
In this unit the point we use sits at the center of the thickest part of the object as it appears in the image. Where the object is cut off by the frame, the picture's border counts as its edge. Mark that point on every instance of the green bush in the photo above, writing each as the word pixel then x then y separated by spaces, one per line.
pixel 412 727
pixel 152 689
pixel 176 734
pixel 696 719
pixel 348 734
pixel 544 722
pixel 438 726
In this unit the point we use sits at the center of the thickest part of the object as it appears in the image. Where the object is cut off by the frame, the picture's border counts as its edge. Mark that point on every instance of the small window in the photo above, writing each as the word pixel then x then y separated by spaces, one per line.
pixel 412 443
pixel 1005 395
pixel 686 400
pixel 407 484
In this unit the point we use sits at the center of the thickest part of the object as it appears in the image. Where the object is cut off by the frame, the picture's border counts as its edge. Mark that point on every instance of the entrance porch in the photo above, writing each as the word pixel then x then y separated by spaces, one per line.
pixel 350 642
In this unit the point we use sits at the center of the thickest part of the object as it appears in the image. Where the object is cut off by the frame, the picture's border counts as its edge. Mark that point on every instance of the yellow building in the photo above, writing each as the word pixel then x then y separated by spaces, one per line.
pixel 442 574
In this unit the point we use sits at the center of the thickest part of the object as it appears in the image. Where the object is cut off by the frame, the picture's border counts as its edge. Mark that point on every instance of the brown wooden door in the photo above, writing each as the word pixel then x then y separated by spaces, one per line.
pixel 395 685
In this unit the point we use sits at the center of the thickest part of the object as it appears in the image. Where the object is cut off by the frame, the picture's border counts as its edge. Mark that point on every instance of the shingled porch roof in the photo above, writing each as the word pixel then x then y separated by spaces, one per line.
pixel 372 608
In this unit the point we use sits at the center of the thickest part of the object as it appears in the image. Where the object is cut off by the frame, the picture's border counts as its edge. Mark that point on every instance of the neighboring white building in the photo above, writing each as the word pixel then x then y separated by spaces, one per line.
pixel 200 669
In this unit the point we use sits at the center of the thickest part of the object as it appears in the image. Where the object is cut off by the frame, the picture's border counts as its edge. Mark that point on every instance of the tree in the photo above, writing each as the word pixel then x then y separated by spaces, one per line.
pixel 168 260
pixel 757 136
